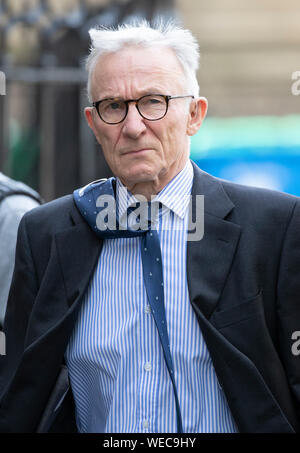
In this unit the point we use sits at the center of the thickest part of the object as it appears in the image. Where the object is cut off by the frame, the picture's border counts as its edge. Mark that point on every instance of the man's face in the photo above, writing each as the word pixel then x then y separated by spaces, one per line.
pixel 137 150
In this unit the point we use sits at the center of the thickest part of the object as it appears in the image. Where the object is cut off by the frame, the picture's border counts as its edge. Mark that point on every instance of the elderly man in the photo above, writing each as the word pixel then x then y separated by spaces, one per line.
pixel 154 329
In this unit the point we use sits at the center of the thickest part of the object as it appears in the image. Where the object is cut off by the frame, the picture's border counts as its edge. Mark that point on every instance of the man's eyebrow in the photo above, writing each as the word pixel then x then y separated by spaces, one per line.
pixel 141 94
pixel 152 91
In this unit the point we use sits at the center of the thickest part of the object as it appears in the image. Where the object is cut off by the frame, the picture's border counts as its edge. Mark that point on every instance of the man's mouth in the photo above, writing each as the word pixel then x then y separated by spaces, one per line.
pixel 136 151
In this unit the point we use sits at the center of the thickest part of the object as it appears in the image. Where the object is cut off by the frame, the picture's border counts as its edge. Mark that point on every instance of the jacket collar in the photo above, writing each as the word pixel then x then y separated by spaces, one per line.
pixel 209 259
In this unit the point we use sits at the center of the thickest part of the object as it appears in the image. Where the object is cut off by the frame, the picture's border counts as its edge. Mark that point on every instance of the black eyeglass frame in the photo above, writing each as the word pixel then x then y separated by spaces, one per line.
pixel 165 96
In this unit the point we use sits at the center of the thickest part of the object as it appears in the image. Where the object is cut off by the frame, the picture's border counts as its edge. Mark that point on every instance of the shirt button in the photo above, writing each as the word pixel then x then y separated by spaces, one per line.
pixel 147 309
pixel 147 366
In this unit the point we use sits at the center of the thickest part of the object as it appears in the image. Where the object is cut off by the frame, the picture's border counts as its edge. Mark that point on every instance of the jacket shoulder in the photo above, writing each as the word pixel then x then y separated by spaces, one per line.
pixel 241 190
pixel 248 201
pixel 261 197
pixel 52 216
pixel 276 205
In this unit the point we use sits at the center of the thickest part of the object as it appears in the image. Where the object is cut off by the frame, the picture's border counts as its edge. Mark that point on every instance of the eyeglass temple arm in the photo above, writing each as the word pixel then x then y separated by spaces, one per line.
pixel 177 97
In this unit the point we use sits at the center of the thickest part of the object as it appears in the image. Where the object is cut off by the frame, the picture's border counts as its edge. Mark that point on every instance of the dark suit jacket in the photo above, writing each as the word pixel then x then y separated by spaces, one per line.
pixel 244 285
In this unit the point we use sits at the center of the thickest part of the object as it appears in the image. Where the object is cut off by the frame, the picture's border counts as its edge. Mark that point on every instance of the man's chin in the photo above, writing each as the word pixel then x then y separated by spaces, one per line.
pixel 138 178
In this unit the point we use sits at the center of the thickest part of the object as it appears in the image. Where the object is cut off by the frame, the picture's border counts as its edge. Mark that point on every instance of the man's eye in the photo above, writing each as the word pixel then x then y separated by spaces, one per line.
pixel 154 101
pixel 114 106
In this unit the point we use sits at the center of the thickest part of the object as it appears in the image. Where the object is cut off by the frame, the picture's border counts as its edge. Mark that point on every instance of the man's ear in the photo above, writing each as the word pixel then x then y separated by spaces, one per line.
pixel 89 115
pixel 198 109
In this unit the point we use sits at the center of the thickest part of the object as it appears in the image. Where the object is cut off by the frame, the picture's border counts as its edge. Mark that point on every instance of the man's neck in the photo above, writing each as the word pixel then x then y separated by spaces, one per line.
pixel 149 189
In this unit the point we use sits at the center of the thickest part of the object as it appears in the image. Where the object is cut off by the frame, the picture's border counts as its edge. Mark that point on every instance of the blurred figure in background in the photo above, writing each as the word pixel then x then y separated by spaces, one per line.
pixel 15 199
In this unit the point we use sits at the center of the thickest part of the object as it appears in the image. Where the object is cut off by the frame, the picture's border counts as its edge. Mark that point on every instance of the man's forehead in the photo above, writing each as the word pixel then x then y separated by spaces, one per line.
pixel 153 66
pixel 136 53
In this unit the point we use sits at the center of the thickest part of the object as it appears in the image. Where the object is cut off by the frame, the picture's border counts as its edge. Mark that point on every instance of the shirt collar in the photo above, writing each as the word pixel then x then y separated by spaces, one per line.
pixel 174 196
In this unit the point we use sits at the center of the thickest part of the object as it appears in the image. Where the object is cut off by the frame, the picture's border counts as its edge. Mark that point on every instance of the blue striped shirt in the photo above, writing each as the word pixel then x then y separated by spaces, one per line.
pixel 115 360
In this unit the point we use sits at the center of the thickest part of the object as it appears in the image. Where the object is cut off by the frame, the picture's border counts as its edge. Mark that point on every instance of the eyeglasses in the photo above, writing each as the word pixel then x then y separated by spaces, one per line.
pixel 151 107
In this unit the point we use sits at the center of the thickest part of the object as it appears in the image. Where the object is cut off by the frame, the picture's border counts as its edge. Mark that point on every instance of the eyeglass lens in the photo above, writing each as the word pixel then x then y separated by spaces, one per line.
pixel 152 107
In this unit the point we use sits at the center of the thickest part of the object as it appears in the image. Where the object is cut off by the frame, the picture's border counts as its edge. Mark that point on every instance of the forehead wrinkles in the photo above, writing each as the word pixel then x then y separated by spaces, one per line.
pixel 137 69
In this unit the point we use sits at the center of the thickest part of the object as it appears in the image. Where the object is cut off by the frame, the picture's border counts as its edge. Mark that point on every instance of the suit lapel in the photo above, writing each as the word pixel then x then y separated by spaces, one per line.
pixel 78 250
pixel 209 260
pixel 74 255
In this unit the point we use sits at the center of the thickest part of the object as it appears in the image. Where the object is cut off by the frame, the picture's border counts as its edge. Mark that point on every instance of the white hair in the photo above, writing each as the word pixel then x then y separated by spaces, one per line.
pixel 181 41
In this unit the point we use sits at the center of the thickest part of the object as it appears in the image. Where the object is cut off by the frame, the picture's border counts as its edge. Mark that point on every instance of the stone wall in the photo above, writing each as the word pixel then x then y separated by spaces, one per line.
pixel 249 50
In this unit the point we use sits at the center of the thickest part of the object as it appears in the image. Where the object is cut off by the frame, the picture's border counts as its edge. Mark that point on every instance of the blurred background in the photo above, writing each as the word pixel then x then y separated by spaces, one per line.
pixel 250 52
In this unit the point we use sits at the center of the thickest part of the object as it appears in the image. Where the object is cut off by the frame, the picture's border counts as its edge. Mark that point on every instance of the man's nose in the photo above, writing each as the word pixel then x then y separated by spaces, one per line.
pixel 134 124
